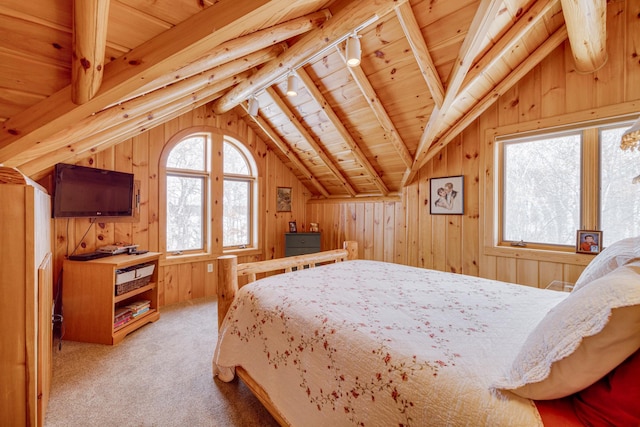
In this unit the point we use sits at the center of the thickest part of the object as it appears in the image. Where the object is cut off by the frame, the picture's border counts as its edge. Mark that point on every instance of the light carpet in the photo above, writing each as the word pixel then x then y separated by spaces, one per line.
pixel 159 375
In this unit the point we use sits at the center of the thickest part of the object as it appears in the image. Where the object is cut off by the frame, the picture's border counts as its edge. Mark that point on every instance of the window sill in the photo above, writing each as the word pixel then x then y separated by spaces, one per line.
pixel 202 257
pixel 538 254
pixel 243 252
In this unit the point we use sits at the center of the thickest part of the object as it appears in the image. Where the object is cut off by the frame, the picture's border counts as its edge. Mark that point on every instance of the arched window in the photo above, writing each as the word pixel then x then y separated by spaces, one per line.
pixel 239 196
pixel 191 194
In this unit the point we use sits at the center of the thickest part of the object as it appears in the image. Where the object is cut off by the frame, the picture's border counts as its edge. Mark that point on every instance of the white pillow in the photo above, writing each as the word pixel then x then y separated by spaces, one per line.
pixel 581 339
pixel 612 257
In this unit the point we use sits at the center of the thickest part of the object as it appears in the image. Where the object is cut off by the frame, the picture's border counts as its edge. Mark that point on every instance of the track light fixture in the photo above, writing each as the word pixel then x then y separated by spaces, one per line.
pixel 292 85
pixel 353 50
pixel 253 106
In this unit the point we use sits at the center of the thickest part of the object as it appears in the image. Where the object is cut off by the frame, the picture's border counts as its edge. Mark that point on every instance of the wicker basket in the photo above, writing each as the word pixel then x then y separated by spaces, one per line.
pixel 125 287
pixel 133 278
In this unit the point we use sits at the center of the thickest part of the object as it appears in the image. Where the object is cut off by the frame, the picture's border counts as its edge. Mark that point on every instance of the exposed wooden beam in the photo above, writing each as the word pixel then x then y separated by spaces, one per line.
pixel 359 156
pixel 548 46
pixel 310 140
pixel 117 114
pixel 90 20
pixel 341 24
pixel 511 38
pixel 421 52
pixel 381 114
pixel 239 47
pixel 587 26
pixel 132 126
pixel 288 152
pixel 187 41
pixel 484 17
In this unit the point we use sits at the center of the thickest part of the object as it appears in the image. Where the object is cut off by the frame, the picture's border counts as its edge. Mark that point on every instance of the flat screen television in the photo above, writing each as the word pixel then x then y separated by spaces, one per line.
pixel 81 191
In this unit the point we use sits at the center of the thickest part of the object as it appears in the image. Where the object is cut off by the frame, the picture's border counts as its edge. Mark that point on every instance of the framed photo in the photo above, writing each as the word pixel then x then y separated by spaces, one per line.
pixel 447 195
pixel 589 242
pixel 283 199
pixel 293 228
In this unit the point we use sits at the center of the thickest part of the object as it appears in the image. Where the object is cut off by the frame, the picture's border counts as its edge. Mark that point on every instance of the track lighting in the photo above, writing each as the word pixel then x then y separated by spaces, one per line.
pixel 353 50
pixel 253 106
pixel 292 85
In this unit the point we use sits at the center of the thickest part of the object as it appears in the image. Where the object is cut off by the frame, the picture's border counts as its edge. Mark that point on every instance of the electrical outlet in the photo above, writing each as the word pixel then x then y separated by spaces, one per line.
pixel 210 268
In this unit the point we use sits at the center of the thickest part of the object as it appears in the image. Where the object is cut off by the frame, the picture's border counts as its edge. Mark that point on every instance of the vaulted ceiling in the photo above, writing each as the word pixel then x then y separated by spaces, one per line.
pixel 79 76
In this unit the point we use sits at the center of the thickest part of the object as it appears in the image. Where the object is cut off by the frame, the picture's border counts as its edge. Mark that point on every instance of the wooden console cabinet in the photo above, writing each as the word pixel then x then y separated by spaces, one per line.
pixel 301 243
pixel 89 300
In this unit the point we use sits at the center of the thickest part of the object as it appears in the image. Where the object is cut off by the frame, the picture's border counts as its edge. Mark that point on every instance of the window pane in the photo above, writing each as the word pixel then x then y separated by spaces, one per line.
pixel 234 161
pixel 184 213
pixel 541 198
pixel 188 154
pixel 619 197
pixel 237 218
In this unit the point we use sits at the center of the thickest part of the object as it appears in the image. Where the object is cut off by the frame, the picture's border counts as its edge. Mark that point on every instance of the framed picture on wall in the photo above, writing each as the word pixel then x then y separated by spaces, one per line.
pixel 589 242
pixel 293 228
pixel 447 195
pixel 283 199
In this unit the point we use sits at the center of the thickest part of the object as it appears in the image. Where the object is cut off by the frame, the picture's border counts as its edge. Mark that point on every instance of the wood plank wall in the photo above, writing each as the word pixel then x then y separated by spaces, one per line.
pixel 397 229
pixel 403 231
pixel 182 280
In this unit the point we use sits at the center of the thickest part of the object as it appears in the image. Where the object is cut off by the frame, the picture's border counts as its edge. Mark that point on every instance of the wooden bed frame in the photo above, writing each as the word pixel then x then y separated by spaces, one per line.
pixel 228 273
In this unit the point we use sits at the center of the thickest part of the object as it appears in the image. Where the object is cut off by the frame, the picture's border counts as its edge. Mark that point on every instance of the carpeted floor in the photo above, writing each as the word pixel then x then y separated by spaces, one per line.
pixel 159 375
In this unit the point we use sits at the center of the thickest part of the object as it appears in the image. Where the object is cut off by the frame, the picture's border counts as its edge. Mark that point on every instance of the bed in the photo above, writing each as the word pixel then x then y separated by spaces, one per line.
pixel 357 342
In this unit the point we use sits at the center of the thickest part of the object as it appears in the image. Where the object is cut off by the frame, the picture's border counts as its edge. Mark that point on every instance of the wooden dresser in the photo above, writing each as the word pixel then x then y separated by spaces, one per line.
pixel 26 281
pixel 301 243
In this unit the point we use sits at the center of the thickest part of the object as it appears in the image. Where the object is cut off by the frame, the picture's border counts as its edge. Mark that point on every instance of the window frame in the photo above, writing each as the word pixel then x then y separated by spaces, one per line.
pixel 205 175
pixel 493 242
pixel 252 179
pixel 213 195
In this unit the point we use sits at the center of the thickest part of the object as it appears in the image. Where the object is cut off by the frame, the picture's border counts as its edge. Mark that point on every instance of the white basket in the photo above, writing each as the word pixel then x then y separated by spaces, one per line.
pixel 133 273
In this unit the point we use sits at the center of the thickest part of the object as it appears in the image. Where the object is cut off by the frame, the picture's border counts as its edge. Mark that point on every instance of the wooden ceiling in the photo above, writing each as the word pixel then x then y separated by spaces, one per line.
pixel 69 86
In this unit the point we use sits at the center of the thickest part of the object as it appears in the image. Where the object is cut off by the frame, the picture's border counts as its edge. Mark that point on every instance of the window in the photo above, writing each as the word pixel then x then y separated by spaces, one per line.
pixel 239 183
pixel 190 188
pixel 553 184
pixel 187 178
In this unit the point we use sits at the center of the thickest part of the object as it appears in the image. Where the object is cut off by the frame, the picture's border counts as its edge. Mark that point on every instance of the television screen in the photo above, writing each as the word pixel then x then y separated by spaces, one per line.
pixel 81 191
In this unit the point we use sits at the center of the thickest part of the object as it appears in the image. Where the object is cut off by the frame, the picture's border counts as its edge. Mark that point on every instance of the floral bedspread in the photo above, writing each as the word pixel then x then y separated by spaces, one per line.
pixel 366 343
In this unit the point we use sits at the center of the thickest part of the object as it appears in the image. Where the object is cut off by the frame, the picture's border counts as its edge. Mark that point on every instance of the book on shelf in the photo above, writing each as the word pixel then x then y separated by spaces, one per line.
pixel 139 312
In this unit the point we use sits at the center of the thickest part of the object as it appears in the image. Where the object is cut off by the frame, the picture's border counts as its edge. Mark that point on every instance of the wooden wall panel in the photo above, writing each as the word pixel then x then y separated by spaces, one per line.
pixel 552 89
pixel 395 229
pixel 184 280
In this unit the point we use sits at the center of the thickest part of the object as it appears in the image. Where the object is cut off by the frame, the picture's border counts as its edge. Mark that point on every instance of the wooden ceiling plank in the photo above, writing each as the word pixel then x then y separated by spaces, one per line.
pixel 354 14
pixel 513 36
pixel 239 47
pixel 360 157
pixel 90 19
pixel 375 103
pixel 310 140
pixel 223 21
pixel 421 52
pixel 131 126
pixel 500 89
pixel 587 26
pixel 485 14
pixel 284 147
pixel 115 115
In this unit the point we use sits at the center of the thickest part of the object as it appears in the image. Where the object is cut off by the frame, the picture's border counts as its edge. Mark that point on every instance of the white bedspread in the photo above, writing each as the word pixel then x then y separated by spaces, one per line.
pixel 379 344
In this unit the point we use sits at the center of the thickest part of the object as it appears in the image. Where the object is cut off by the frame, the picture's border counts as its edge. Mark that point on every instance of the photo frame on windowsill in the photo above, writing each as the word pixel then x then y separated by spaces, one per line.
pixel 447 195
pixel 589 242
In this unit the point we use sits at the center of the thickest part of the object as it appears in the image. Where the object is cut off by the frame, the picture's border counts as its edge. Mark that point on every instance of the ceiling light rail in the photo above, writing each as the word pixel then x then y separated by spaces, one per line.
pixel 353 52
